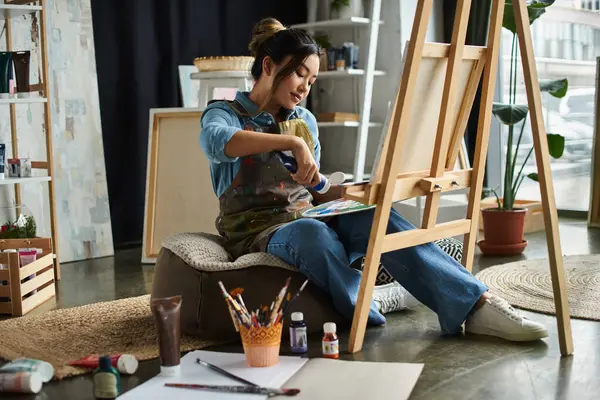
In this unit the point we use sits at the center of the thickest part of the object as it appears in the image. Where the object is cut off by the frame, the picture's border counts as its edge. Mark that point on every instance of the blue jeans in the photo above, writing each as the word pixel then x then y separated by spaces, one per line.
pixel 323 252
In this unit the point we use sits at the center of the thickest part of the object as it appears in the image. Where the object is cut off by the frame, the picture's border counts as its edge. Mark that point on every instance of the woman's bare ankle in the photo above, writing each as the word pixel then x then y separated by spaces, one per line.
pixel 482 299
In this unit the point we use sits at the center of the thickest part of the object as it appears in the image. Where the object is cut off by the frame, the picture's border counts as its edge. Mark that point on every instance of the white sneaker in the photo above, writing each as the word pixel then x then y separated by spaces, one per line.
pixel 497 318
pixel 393 297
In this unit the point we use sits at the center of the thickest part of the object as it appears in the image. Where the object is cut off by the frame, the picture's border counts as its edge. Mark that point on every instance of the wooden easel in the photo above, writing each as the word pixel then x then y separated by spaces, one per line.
pixel 437 90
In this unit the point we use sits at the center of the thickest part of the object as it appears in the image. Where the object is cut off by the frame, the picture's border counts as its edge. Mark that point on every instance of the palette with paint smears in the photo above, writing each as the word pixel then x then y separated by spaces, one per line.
pixel 336 207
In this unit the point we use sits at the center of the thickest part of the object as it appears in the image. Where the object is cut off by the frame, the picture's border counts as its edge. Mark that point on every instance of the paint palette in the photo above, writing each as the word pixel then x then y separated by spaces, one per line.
pixel 336 207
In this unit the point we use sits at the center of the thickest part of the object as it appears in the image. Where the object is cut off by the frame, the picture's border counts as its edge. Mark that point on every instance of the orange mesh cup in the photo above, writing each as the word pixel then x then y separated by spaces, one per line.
pixel 261 345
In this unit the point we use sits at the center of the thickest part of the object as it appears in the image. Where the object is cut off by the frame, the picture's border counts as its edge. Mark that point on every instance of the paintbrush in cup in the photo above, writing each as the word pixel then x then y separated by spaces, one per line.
pixel 246 320
pixel 289 303
pixel 278 301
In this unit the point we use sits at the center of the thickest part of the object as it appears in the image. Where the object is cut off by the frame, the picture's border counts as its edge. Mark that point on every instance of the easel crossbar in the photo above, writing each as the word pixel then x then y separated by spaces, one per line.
pixel 408 185
pixel 414 237
pixel 442 50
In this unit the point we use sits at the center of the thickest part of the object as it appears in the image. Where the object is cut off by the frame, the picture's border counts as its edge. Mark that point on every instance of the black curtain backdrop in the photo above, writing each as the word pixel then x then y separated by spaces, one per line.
pixel 139 44
pixel 477 36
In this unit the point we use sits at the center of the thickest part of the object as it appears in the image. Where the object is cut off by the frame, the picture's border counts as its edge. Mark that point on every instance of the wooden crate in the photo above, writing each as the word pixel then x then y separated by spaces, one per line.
pixel 19 290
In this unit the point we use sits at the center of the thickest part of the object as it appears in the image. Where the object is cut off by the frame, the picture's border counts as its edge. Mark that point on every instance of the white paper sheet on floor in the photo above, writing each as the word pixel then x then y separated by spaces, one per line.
pixel 191 372
pixel 330 379
pixel 317 379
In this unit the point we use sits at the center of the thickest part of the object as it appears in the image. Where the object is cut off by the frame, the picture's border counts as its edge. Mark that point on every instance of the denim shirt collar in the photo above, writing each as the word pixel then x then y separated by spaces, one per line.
pixel 254 111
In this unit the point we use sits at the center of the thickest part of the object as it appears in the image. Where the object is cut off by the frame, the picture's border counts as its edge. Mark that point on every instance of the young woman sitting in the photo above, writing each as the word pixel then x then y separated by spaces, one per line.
pixel 261 202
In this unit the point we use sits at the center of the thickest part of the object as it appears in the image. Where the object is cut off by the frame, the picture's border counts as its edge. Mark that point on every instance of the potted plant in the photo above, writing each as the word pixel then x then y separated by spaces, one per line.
pixel 345 9
pixel 503 224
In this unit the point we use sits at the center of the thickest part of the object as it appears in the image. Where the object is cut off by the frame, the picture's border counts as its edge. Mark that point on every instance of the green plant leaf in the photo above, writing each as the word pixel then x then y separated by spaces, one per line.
pixel 535 9
pixel 533 176
pixel 557 88
pixel 337 4
pixel 556 144
pixel 510 114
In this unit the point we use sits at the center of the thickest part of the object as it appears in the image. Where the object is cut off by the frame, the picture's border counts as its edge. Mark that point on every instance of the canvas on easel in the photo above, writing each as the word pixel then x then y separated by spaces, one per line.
pixel 419 152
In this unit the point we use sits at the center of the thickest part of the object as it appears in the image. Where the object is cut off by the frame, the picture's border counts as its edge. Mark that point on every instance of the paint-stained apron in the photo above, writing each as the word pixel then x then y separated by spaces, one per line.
pixel 263 196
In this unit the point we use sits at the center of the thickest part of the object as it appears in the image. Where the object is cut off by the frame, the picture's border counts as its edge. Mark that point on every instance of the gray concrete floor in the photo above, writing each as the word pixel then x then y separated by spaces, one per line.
pixel 455 367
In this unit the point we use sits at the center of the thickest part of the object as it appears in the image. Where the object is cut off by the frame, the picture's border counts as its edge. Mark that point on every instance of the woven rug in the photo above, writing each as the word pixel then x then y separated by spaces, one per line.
pixel 527 284
pixel 120 326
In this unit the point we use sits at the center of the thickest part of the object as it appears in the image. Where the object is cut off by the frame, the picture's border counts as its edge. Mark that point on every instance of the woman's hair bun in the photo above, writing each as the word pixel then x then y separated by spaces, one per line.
pixel 262 31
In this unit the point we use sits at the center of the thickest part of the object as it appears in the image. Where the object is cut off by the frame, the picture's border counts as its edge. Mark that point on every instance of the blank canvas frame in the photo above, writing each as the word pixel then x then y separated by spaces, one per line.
pixel 179 193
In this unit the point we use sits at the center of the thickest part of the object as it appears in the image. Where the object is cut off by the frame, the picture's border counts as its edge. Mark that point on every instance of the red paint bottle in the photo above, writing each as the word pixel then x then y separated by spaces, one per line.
pixel 330 341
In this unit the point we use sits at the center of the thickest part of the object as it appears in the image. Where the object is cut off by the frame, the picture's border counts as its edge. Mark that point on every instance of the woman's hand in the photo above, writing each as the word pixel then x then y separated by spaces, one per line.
pixel 307 173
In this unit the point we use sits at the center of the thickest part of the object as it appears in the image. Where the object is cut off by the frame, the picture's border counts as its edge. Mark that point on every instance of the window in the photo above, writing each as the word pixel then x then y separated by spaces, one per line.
pixel 564 48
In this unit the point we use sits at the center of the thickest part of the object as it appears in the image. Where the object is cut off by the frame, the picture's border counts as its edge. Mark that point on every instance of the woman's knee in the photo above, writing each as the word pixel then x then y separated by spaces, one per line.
pixel 306 232
pixel 352 221
pixel 310 231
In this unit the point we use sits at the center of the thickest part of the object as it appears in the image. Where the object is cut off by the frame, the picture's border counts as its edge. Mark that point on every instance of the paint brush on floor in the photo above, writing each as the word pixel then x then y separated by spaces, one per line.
pixel 237 389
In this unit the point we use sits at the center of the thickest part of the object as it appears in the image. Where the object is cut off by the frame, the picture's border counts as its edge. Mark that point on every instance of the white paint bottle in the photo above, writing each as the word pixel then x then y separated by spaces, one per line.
pixel 20 382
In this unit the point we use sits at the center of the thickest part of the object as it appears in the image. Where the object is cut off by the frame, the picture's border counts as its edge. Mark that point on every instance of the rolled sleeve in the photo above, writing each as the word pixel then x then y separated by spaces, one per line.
pixel 311 122
pixel 218 126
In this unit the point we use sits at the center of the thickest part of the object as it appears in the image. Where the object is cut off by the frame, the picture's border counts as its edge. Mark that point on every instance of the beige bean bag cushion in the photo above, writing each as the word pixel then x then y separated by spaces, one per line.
pixel 192 264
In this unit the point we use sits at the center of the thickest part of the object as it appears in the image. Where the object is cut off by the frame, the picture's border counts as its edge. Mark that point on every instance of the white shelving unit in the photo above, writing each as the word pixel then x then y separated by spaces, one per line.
pixel 13 11
pixel 24 101
pixel 334 23
pixel 31 179
pixel 369 26
pixel 347 73
pixel 10 10
pixel 347 124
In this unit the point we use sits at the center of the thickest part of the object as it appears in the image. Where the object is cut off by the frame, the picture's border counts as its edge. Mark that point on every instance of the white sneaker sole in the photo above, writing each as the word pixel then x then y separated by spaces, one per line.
pixel 513 337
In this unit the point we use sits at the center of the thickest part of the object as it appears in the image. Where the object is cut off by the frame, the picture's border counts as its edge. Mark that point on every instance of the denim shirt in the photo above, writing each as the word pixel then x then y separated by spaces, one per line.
pixel 219 123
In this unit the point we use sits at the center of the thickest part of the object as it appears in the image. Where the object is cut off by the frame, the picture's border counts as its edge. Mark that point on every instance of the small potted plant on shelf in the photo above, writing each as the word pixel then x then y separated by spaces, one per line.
pixel 23 228
pixel 346 9
pixel 327 51
pixel 503 225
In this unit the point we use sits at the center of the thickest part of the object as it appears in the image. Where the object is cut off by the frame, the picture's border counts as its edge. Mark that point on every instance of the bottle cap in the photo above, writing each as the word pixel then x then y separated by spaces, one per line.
pixel 337 178
pixel 31 382
pixel 297 316
pixel 46 371
pixel 329 327
pixel 174 370
pixel 127 364
pixel 105 363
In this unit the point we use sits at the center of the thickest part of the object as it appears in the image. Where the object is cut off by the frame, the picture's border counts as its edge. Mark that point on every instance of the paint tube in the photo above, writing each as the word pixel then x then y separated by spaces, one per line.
pixel 5 66
pixel 20 382
pixel 42 368
pixel 125 363
pixel 167 315
pixel 337 178
pixel 21 62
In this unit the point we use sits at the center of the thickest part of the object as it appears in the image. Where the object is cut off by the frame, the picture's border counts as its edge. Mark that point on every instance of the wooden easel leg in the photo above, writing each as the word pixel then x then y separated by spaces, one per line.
pixel 545 178
pixel 483 131
pixel 398 129
pixel 367 283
